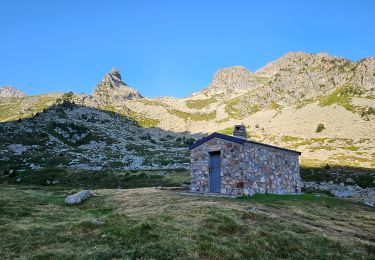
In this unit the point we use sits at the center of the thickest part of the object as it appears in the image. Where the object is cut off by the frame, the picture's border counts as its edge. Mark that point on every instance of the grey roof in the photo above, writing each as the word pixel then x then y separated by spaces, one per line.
pixel 235 140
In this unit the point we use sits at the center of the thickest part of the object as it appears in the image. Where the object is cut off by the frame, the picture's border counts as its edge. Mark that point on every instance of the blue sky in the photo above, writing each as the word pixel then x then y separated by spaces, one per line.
pixel 168 47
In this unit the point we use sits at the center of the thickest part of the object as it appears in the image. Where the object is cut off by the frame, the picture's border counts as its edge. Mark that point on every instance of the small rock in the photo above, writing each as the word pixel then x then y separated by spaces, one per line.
pixel 18 179
pixel 368 203
pixel 342 184
pixel 97 222
pixel 341 193
pixel 331 182
pixel 349 180
pixel 78 197
pixel 12 173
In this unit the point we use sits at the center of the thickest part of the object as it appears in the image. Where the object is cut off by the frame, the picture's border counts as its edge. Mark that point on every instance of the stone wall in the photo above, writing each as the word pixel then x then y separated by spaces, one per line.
pixel 231 158
pixel 246 169
pixel 270 170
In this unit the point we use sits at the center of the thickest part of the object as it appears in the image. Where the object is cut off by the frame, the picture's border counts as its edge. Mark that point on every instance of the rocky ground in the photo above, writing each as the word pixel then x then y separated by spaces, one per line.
pixel 77 137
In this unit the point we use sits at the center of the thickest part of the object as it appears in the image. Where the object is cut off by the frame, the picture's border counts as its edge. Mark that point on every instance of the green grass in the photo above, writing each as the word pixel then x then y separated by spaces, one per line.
pixel 100 179
pixel 288 138
pixel 193 116
pixel 139 119
pixel 26 107
pixel 151 224
pixel 304 102
pixel 150 102
pixel 316 171
pixel 352 148
pixel 341 96
pixel 227 131
pixel 200 103
pixel 236 109
pixel 275 106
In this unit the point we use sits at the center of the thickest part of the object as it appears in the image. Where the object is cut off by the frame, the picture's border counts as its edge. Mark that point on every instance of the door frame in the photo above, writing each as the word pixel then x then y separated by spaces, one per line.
pixel 210 171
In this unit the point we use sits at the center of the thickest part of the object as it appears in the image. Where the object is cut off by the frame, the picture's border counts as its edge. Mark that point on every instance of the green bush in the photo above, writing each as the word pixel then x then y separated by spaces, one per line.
pixel 320 128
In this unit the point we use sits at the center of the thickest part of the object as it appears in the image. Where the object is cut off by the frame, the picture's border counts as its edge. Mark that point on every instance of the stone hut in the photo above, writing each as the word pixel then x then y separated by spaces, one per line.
pixel 233 165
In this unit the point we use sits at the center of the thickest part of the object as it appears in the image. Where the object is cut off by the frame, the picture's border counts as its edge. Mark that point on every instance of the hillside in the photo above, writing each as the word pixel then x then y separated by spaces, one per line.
pixel 282 103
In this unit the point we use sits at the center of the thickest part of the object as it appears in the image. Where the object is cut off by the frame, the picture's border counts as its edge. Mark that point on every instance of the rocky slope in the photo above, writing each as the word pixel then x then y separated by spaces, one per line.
pixel 11 92
pixel 282 103
pixel 70 136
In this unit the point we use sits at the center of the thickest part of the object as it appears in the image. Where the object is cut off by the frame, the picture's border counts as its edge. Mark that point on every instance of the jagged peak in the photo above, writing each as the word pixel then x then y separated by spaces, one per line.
pixel 112 85
pixel 115 72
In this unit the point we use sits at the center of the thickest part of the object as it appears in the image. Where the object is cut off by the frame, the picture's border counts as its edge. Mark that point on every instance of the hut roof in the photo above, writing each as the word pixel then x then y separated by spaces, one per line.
pixel 235 140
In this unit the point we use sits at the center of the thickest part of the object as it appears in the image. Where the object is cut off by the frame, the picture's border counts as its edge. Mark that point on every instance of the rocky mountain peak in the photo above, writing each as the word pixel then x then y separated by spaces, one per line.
pixel 115 73
pixel 11 92
pixel 301 61
pixel 231 80
pixel 112 89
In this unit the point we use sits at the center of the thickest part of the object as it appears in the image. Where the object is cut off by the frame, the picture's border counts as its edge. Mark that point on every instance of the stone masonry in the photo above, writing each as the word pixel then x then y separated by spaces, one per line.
pixel 246 167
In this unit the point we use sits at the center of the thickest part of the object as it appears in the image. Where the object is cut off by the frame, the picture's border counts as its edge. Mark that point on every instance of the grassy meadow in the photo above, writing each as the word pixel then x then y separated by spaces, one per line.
pixel 148 223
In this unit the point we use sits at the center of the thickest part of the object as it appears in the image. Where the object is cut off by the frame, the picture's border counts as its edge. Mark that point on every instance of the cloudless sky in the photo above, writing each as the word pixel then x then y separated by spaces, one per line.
pixel 168 47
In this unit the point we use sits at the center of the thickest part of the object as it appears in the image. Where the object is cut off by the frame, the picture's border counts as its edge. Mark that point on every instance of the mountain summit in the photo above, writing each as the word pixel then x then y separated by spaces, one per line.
pixel 11 92
pixel 113 88
pixel 231 80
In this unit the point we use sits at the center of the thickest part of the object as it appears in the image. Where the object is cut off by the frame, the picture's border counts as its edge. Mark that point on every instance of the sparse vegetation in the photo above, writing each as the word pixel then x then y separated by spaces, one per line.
pixel 287 138
pixel 143 120
pixel 193 116
pixel 200 103
pixel 275 106
pixel 227 131
pixel 342 96
pixel 236 109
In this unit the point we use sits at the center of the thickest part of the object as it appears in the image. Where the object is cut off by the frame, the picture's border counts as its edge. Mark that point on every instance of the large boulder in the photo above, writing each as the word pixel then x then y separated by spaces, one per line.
pixel 78 197
pixel 341 193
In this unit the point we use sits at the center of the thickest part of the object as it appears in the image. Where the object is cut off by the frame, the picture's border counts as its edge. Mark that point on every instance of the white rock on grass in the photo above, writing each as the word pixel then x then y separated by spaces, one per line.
pixel 368 203
pixel 341 193
pixel 78 197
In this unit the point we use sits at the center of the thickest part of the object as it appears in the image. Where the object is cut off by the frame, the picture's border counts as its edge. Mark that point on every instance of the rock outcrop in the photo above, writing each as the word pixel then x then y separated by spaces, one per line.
pixel 366 195
pixel 113 89
pixel 231 80
pixel 11 92
pixel 78 197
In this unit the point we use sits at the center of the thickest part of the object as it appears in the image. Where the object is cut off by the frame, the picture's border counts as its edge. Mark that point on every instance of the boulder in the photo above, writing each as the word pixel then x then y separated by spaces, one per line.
pixel 78 197
pixel 349 180
pixel 341 193
pixel 368 203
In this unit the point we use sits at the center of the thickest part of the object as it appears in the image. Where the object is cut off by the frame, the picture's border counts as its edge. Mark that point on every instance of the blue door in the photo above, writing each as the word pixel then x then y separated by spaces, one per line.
pixel 215 178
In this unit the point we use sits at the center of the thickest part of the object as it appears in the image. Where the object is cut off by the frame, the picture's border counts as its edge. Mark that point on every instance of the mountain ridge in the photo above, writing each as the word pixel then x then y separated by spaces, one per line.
pixel 281 104
pixel 11 92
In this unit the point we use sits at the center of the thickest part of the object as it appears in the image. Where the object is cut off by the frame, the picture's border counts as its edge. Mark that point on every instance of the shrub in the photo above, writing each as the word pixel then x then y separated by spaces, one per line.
pixel 320 128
